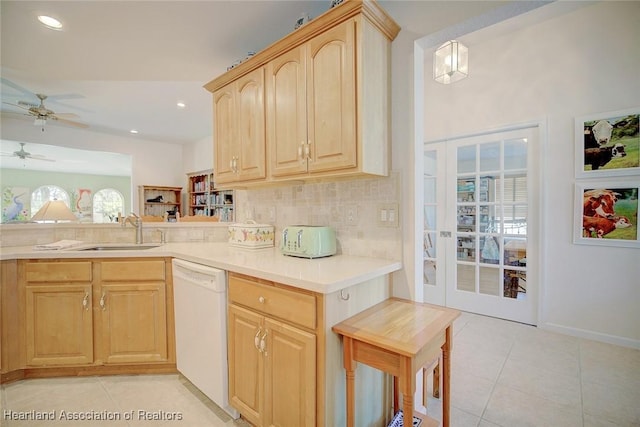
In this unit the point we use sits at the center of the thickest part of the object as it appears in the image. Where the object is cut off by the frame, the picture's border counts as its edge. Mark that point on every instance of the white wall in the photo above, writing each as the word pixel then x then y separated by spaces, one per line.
pixel 583 62
pixel 198 156
pixel 153 163
pixel 403 161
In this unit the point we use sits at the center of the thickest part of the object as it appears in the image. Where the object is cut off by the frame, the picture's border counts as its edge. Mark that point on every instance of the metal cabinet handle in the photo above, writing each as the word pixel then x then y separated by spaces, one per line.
pixel 307 151
pixel 263 343
pixel 300 151
pixel 261 300
pixel 103 304
pixel 256 340
pixel 85 301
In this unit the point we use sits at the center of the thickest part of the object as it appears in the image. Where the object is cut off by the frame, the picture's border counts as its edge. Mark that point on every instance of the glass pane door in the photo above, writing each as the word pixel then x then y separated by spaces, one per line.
pixel 432 246
pixel 488 202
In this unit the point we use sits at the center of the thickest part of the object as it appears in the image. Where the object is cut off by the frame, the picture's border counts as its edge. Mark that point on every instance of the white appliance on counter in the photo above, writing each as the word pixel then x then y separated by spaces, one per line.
pixel 200 307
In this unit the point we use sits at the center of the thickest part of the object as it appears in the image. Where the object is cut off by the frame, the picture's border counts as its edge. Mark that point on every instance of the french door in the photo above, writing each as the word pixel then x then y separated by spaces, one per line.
pixel 481 224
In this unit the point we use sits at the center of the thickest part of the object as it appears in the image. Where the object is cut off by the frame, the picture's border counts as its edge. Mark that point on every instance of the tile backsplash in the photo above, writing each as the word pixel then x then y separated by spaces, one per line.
pixel 33 234
pixel 349 206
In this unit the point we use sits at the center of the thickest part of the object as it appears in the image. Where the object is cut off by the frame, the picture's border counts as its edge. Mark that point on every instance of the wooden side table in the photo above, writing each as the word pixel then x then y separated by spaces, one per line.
pixel 399 337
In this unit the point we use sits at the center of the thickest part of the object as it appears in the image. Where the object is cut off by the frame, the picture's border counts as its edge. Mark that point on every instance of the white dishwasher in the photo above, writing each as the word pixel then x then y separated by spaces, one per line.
pixel 200 307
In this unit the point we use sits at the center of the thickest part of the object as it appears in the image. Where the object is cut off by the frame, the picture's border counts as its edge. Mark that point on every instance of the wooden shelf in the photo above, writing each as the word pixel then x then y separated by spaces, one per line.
pixel 171 200
pixel 203 198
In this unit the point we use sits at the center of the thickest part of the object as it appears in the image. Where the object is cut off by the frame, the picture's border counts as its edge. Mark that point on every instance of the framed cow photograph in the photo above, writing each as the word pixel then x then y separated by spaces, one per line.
pixel 608 144
pixel 606 213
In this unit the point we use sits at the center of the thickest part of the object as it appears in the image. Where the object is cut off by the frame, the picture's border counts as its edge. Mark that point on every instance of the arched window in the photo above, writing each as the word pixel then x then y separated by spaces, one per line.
pixel 107 204
pixel 45 193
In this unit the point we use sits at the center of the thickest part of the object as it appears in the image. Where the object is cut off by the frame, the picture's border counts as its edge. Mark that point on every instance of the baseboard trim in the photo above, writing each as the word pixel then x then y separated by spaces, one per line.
pixel 591 335
pixel 88 370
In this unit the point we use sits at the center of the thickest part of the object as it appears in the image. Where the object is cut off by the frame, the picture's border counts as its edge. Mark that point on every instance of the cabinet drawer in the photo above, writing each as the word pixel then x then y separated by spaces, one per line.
pixel 132 270
pixel 295 307
pixel 78 271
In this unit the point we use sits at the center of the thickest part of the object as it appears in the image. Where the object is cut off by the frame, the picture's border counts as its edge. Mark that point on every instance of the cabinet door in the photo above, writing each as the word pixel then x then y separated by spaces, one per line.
pixel 133 322
pixel 223 129
pixel 251 126
pixel 331 104
pixel 246 364
pixel 290 376
pixel 287 113
pixel 59 323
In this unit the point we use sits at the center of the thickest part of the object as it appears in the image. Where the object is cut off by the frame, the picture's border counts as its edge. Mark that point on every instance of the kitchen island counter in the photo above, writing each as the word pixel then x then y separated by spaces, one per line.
pixel 322 275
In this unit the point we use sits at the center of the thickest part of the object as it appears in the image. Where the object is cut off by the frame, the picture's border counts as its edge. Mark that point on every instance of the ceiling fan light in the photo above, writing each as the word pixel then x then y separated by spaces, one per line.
pixel 39 122
pixel 50 22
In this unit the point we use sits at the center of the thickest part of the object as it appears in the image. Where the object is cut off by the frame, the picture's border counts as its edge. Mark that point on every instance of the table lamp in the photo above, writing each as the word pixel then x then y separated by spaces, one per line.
pixel 54 210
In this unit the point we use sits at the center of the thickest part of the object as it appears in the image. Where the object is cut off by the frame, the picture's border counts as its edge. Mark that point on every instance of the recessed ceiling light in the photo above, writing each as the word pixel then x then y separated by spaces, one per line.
pixel 133 131
pixel 181 104
pixel 50 22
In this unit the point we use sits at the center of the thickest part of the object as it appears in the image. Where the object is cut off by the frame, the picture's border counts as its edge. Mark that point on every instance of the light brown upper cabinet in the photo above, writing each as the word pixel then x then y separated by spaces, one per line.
pixel 327 86
pixel 239 130
pixel 311 119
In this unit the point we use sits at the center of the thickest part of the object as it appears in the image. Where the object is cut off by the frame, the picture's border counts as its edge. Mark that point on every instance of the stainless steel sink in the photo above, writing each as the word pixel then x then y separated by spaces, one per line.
pixel 141 247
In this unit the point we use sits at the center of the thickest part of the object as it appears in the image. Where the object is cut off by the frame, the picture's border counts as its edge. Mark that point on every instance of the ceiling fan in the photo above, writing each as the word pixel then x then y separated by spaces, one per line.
pixel 24 155
pixel 42 113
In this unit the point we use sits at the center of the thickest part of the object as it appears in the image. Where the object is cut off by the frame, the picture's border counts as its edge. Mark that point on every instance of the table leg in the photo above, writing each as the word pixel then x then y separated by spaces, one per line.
pixel 446 377
pixel 396 400
pixel 408 384
pixel 436 380
pixel 350 368
pixel 424 386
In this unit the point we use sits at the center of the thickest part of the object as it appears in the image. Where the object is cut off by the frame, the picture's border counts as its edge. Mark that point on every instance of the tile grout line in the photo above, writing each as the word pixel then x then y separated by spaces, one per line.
pixel 102 381
pixel 495 383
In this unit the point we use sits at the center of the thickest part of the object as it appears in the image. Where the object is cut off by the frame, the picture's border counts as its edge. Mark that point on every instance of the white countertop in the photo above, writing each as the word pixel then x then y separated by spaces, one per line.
pixel 322 275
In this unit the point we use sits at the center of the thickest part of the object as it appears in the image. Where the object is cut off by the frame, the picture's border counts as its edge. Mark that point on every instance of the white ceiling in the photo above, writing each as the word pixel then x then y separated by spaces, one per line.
pixel 122 65
pixel 63 159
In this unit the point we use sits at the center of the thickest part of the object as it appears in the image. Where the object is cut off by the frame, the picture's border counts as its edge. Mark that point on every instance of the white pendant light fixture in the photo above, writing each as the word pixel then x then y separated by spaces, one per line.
pixel 450 62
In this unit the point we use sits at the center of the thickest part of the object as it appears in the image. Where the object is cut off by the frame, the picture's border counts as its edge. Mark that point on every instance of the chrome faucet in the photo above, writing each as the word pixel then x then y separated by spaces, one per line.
pixel 136 221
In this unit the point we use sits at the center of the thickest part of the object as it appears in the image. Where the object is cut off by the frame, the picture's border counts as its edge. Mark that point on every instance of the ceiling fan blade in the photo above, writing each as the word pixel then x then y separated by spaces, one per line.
pixel 66 115
pixel 16 105
pixel 27 105
pixel 40 157
pixel 71 123
pixel 16 86
pixel 16 114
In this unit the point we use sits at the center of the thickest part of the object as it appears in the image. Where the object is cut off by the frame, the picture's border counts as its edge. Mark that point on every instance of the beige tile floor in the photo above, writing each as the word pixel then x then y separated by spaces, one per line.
pixel 503 374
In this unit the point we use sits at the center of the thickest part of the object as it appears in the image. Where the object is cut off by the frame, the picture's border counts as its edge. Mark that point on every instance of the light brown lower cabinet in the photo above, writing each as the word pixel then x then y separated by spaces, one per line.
pixel 58 312
pixel 132 319
pixel 59 324
pixel 272 361
pixel 91 314
pixel 290 375
pixel 285 363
